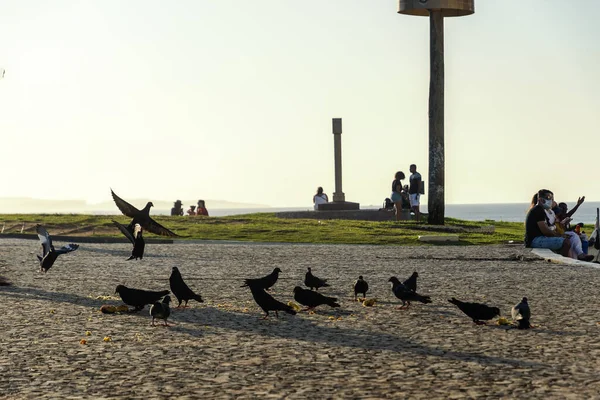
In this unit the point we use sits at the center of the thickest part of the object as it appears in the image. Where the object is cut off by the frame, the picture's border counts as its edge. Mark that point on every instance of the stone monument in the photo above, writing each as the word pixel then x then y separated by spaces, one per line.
pixel 436 10
pixel 339 199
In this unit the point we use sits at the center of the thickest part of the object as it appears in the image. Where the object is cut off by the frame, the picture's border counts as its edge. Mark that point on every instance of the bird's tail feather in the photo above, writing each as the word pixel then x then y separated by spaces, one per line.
pixel 332 302
pixel 198 298
pixel 424 299
pixel 39 258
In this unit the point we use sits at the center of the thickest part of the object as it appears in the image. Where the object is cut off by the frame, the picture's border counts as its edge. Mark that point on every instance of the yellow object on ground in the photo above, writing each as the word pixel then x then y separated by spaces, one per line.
pixel 369 302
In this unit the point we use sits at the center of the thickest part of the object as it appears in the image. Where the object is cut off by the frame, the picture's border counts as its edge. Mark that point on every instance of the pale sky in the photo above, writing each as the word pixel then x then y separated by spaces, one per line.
pixel 233 100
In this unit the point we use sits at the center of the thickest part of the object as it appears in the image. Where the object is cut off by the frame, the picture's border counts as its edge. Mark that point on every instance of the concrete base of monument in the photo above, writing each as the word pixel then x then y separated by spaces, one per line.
pixel 363 215
pixel 339 205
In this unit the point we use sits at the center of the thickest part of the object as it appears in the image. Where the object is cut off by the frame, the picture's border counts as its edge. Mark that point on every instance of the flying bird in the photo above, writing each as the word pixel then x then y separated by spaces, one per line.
pixel 267 302
pixel 312 299
pixel 405 294
pixel 266 281
pixel 161 310
pixel 49 253
pixel 138 297
pixel 133 233
pixel 522 314
pixel 312 281
pixel 142 216
pixel 411 282
pixel 476 311
pixel 182 291
pixel 360 286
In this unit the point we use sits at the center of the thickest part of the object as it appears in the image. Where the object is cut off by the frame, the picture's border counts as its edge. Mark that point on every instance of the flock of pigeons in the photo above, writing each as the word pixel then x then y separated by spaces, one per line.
pixel 159 300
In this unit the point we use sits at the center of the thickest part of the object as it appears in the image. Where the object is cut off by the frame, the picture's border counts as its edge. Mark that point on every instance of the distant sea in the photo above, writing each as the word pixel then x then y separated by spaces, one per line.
pixel 512 212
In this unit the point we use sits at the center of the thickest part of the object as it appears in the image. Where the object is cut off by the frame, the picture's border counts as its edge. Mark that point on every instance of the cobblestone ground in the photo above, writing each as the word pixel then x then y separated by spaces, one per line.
pixel 222 349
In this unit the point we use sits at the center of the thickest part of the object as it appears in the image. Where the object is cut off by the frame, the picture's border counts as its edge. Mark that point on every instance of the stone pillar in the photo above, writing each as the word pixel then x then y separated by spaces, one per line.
pixel 435 202
pixel 436 10
pixel 338 195
pixel 339 199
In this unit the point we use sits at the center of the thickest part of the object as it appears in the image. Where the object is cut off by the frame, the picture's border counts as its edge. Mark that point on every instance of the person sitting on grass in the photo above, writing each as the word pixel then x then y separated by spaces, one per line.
pixel 538 233
pixel 192 210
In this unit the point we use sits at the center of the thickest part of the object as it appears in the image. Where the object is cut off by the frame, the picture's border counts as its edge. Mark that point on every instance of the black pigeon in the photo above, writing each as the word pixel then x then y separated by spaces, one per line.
pixel 267 302
pixel 49 253
pixel 522 313
pixel 134 233
pixel 360 286
pixel 4 281
pixel 142 217
pixel 181 290
pixel 161 310
pixel 405 294
pixel 138 297
pixel 312 299
pixel 411 282
pixel 266 281
pixel 312 281
pixel 476 311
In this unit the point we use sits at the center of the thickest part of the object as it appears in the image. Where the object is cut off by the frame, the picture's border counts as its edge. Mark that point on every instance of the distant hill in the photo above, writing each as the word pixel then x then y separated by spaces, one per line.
pixel 25 205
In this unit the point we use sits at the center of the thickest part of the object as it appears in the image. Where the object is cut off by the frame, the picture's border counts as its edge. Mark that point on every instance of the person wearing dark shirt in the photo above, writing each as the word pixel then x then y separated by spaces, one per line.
pixel 538 234
pixel 414 191
pixel 397 193
pixel 177 209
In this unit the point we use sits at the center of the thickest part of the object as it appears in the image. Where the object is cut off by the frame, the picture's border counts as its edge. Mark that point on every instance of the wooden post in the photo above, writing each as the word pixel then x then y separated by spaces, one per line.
pixel 435 203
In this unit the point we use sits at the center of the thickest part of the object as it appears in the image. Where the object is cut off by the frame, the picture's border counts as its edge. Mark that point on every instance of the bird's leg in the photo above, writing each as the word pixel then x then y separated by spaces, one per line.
pixel 478 322
pixel 152 323
pixel 266 316
pixel 308 309
pixel 276 315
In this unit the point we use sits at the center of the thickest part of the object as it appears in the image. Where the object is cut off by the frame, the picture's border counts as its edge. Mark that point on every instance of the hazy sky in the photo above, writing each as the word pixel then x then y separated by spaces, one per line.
pixel 233 100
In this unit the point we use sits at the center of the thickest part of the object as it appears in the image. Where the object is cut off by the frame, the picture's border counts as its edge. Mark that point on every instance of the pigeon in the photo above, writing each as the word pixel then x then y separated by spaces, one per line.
pixel 161 310
pixel 266 281
pixel 267 302
pixel 360 286
pixel 411 282
pixel 141 217
pixel 181 291
pixel 312 281
pixel 522 313
pixel 476 311
pixel 405 294
pixel 312 299
pixel 4 281
pixel 49 253
pixel 134 233
pixel 138 297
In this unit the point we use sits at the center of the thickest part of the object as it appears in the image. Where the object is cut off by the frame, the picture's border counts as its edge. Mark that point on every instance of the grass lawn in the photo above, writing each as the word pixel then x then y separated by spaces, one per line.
pixel 265 227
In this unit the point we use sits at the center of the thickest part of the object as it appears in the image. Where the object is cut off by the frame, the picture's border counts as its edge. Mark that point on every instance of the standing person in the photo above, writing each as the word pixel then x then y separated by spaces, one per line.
pixel 414 190
pixel 320 198
pixel 538 233
pixel 201 209
pixel 397 193
pixel 192 210
pixel 177 209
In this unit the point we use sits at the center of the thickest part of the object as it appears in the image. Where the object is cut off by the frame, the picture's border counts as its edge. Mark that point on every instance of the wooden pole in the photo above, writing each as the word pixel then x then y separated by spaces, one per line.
pixel 435 203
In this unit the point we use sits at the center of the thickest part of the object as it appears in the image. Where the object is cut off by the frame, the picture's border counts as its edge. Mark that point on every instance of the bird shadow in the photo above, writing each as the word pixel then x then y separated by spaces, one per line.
pixel 123 253
pixel 302 329
pixel 17 292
